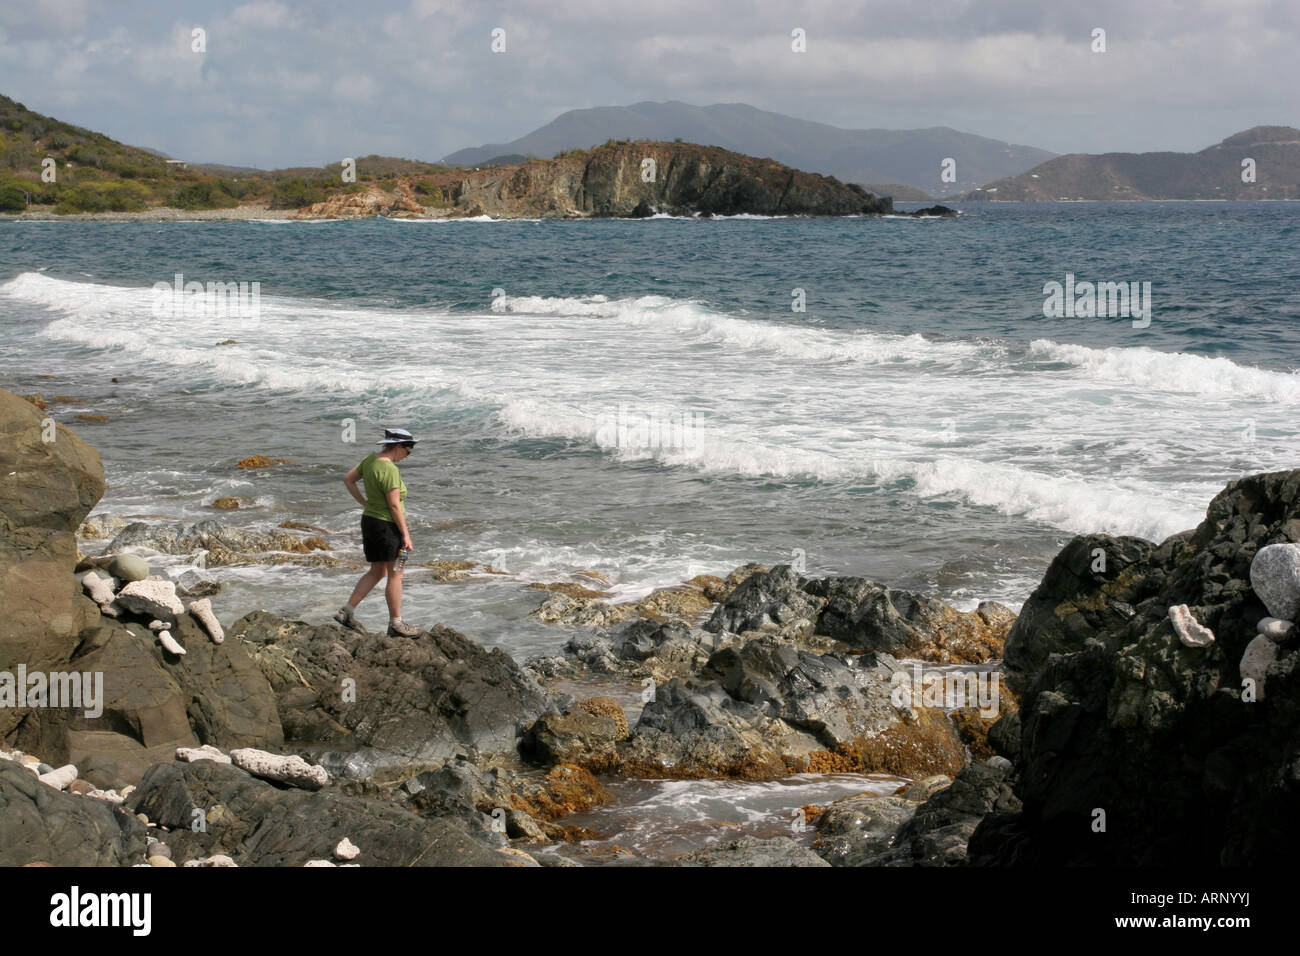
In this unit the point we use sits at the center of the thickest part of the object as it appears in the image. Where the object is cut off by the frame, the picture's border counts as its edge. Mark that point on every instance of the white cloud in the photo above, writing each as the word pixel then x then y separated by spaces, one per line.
pixel 293 82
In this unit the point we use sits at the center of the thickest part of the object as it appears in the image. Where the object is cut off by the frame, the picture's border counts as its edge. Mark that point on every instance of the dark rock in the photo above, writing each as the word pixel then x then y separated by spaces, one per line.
pixel 667 650
pixel 39 823
pixel 258 824
pixel 578 738
pixel 1004 736
pixel 931 211
pixel 406 705
pixel 938 833
pixel 1120 717
pixel 863 614
pixel 769 708
pixel 480 799
pixel 766 600
pixel 872 616
pixel 694 728
pixel 855 831
pixel 154 703
pixel 1074 602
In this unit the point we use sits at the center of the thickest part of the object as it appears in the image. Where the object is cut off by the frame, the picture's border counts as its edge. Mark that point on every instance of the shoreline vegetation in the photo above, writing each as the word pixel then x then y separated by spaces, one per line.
pixel 1152 679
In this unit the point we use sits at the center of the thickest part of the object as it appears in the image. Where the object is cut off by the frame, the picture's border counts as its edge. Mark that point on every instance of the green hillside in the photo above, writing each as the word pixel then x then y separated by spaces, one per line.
pixel 94 173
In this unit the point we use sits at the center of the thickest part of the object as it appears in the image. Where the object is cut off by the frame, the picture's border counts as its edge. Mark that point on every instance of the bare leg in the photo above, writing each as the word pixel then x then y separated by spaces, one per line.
pixel 368 581
pixel 393 591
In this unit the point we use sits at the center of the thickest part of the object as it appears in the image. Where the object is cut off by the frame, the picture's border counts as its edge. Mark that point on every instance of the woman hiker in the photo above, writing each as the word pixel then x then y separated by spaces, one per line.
pixel 383 529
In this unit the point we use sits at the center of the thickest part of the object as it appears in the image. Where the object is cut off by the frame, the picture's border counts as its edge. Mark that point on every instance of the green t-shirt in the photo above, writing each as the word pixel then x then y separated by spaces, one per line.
pixel 381 477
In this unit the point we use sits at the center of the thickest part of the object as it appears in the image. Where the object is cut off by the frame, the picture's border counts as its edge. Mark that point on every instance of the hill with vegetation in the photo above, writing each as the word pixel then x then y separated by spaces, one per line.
pixel 94 173
pixel 909 157
pixel 1213 173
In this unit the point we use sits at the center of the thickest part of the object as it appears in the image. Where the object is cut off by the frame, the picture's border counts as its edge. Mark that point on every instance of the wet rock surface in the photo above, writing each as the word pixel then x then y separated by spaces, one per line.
pixel 385 708
pixel 1119 716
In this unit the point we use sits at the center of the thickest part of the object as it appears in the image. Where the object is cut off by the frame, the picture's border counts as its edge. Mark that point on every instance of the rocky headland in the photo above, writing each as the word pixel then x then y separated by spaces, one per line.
pixel 1154 682
pixel 623 180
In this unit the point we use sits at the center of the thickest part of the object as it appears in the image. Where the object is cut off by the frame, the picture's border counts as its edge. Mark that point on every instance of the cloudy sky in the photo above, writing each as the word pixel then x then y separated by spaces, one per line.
pixel 286 83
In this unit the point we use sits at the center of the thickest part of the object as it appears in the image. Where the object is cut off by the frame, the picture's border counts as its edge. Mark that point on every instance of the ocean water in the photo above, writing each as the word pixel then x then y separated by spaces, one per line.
pixel 639 398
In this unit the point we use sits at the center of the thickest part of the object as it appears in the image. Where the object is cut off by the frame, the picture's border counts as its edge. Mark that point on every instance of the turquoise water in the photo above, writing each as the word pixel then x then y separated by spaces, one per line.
pixel 921 422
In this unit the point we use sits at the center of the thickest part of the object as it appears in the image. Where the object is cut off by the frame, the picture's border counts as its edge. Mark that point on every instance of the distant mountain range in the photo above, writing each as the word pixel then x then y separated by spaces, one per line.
pixel 1214 173
pixel 870 157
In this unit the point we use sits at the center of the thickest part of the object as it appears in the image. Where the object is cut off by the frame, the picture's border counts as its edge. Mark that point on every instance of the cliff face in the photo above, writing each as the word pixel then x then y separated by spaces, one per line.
pixel 619 180
pixel 639 179
pixel 363 205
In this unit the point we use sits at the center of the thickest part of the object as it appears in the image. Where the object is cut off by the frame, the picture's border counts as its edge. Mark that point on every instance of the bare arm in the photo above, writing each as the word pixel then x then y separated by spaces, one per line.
pixel 351 479
pixel 399 517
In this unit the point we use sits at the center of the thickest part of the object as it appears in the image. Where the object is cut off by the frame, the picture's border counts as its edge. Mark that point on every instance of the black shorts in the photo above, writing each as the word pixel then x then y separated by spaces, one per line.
pixel 380 539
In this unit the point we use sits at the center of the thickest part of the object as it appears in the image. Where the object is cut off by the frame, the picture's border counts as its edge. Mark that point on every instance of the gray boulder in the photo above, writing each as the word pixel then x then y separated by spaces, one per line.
pixel 258 824
pixel 1275 576
pixel 587 740
pixel 388 708
pixel 39 824
pixel 857 830
pixel 768 708
pixel 768 600
pixel 154 703
pixel 128 567
pixel 46 489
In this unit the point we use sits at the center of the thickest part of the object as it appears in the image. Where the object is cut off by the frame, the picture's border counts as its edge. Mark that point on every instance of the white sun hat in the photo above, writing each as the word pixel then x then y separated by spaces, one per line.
pixel 397 436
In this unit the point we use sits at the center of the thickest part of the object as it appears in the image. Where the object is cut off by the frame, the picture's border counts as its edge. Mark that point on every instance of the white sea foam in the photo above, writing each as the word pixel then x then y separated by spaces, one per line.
pixel 1078 504
pixel 1173 371
pixel 685 316
pixel 1035 443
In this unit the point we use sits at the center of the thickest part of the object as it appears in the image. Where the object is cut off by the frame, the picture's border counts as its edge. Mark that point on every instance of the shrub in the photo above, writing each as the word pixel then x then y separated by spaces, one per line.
pixel 205 194
pixel 102 197
pixel 85 156
pixel 13 198
pixel 293 193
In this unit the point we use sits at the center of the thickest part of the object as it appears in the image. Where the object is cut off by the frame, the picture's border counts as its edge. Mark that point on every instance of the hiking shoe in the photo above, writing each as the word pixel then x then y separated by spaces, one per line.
pixel 402 629
pixel 348 620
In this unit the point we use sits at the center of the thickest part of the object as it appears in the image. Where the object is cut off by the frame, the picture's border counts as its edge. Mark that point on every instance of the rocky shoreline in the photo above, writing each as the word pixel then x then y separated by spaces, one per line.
pixel 628 180
pixel 274 742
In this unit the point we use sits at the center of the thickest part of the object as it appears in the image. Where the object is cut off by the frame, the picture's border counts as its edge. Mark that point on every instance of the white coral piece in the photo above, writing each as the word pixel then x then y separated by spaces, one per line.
pixel 206 752
pixel 202 612
pixel 165 638
pixel 1190 632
